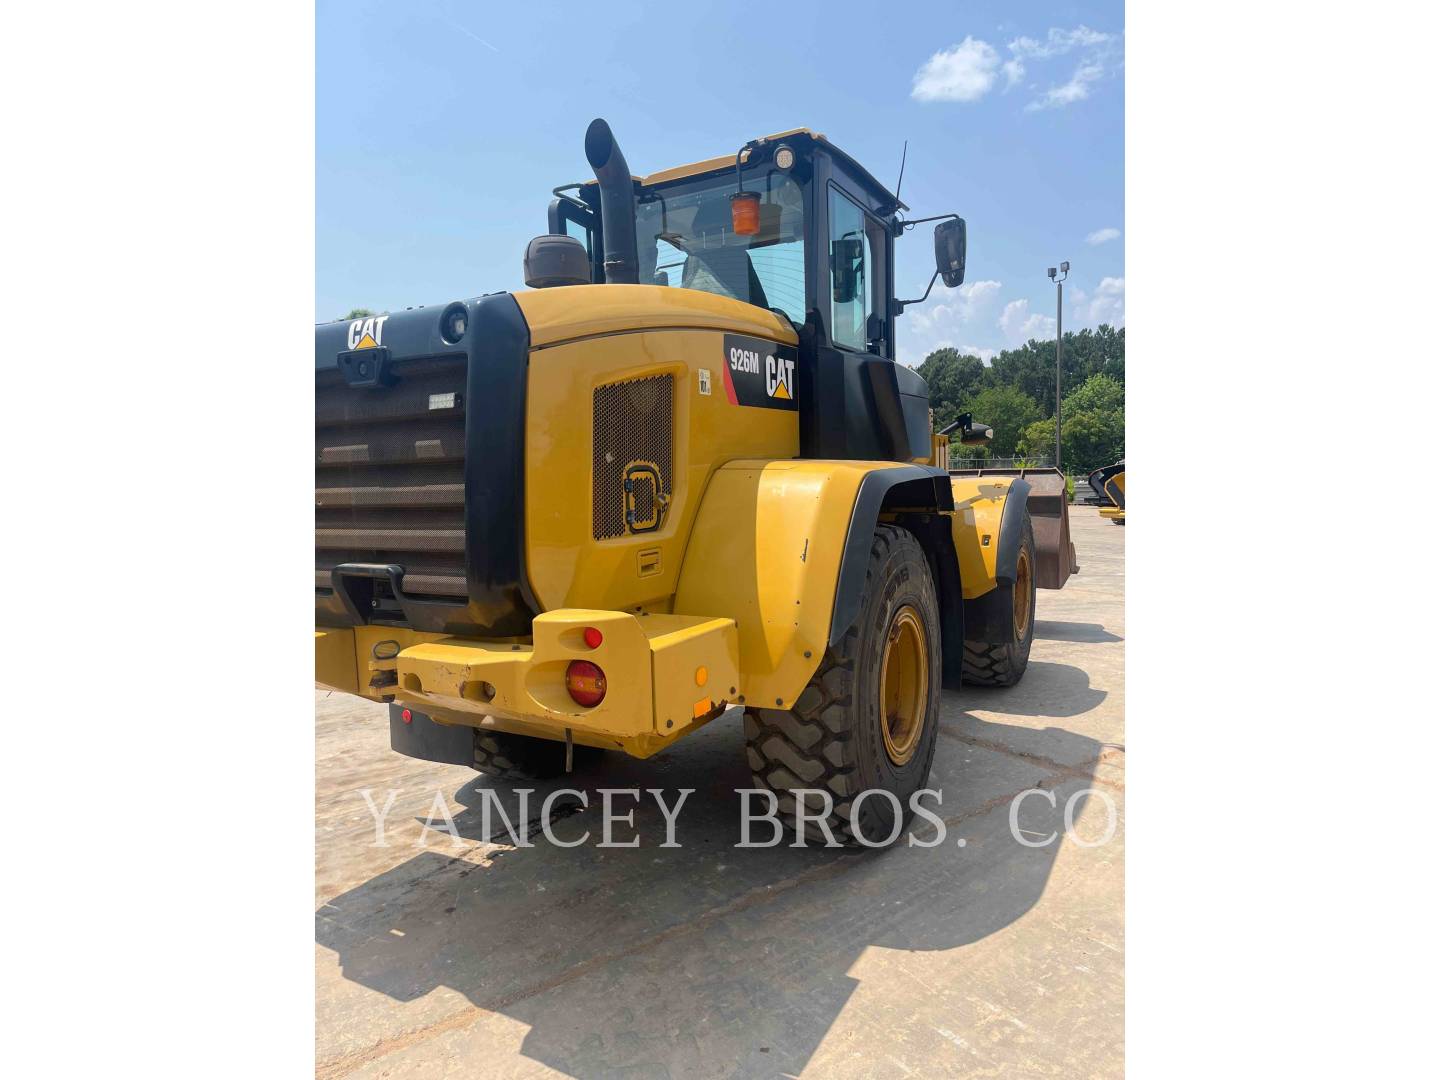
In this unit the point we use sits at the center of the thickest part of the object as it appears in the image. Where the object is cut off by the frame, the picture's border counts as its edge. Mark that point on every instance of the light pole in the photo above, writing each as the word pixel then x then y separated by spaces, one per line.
pixel 1059 338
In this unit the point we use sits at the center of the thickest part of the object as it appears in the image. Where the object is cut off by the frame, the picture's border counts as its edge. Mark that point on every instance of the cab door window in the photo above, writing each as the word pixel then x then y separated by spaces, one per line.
pixel 853 270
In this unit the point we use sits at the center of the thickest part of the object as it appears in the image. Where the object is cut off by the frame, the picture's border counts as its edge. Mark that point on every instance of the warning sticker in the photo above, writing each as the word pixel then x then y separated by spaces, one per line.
pixel 760 373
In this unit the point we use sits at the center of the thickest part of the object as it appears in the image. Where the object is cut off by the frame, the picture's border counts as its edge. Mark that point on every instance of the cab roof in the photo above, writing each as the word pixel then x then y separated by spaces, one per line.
pixel 721 164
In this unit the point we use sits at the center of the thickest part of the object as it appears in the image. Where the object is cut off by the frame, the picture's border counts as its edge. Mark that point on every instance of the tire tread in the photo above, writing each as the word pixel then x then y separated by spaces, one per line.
pixel 810 745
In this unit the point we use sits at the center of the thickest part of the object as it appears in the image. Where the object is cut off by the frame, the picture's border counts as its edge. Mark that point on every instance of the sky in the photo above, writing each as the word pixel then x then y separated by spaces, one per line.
pixel 443 125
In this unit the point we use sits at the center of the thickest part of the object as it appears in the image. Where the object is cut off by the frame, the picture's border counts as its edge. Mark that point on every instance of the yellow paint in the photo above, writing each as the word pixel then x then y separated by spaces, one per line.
pixel 568 566
pixel 979 503
pixel 765 552
pixel 366 342
pixel 335 660
pixel 345 658
pixel 940 451
pixel 645 659
pixel 685 645
pixel 576 311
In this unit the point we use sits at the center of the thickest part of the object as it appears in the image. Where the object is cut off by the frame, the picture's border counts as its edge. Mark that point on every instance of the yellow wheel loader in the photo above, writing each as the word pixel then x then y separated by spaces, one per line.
pixel 1109 487
pixel 680 472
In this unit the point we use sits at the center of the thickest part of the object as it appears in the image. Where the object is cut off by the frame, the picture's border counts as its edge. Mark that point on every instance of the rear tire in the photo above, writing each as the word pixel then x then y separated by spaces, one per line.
pixel 838 737
pixel 1002 664
pixel 522 757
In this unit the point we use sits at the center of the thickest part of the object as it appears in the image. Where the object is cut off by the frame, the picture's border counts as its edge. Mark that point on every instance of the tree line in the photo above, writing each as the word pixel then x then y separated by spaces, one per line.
pixel 1015 395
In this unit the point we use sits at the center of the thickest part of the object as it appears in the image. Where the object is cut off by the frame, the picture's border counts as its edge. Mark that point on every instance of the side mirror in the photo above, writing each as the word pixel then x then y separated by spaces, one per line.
pixel 556 260
pixel 845 256
pixel 950 251
pixel 973 433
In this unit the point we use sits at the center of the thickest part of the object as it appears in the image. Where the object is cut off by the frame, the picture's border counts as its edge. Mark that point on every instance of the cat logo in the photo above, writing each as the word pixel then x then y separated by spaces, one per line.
pixel 760 374
pixel 365 333
pixel 780 377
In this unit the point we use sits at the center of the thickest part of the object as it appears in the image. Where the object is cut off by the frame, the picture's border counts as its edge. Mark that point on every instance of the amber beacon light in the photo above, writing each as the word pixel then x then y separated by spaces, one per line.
pixel 745 213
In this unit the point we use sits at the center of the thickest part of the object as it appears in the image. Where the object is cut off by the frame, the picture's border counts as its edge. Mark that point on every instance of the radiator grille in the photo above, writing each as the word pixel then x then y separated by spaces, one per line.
pixel 390 475
pixel 633 424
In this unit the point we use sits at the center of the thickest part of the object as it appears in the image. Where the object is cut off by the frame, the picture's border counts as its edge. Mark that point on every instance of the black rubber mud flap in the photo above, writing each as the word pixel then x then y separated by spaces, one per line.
pixel 423 738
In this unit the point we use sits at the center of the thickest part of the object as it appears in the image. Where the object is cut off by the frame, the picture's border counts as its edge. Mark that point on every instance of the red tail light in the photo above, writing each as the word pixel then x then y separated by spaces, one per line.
pixel 406 715
pixel 586 683
pixel 593 637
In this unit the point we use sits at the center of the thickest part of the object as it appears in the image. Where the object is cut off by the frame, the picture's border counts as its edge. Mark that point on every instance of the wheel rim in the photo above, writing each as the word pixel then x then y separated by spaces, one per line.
pixel 1023 595
pixel 904 685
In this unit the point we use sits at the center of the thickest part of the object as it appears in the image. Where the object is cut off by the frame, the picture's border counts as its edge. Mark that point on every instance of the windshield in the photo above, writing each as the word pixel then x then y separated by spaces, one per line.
pixel 686 241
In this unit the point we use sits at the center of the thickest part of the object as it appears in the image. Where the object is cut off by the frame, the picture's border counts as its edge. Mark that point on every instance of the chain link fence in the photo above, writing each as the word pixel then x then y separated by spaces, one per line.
pixel 1038 461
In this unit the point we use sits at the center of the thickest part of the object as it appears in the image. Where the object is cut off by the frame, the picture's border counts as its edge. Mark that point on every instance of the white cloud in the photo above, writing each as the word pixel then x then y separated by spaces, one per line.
pixel 960 305
pixel 1058 42
pixel 1037 326
pixel 1077 89
pixel 1106 305
pixel 938 322
pixel 986 355
pixel 1013 315
pixel 969 71
pixel 965 72
pixel 1102 236
pixel 1019 325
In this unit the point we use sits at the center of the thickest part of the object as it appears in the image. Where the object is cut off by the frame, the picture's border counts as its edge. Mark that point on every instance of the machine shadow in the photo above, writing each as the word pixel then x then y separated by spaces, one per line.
pixel 1082 632
pixel 701 960
pixel 1048 689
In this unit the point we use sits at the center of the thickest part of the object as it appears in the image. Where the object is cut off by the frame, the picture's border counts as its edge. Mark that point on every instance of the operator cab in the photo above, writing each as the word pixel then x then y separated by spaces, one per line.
pixel 790 223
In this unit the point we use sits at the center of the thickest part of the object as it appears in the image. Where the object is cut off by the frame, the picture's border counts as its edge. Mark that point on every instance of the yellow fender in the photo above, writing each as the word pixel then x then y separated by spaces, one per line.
pixel 988 529
pixel 979 511
pixel 781 546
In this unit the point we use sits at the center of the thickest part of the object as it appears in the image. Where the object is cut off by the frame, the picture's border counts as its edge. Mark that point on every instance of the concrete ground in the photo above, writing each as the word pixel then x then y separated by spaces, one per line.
pixel 991 958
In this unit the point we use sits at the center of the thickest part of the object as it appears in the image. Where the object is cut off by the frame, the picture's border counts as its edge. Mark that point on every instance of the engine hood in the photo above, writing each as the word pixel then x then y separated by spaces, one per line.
pixel 576 311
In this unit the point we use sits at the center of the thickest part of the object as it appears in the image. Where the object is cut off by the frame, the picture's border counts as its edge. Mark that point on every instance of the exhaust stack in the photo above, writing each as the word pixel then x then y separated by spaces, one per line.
pixel 617 204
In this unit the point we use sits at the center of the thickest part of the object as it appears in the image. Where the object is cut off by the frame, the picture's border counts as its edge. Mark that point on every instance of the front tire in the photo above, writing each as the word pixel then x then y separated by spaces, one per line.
pixel 869 716
pixel 1003 663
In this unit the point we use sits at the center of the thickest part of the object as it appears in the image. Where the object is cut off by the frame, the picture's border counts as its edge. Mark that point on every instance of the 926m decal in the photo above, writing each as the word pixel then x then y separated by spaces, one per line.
pixel 760 373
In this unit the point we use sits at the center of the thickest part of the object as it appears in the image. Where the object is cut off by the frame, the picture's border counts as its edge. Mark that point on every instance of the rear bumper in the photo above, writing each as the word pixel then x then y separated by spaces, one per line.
pixel 664 674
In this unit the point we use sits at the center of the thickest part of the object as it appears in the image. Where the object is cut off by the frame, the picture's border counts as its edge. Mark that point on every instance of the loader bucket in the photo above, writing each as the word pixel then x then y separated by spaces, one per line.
pixel 1109 485
pixel 1049 516
pixel 1115 488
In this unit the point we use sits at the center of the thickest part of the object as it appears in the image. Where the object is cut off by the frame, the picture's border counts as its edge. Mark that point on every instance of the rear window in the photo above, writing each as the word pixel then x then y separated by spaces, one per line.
pixel 686 241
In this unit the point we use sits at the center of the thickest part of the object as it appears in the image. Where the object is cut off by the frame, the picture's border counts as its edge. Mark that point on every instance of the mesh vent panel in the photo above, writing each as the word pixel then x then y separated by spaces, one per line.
pixel 633 424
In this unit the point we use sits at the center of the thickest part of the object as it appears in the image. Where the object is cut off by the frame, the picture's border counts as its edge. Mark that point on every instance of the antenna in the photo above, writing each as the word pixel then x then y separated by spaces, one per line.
pixel 903 150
